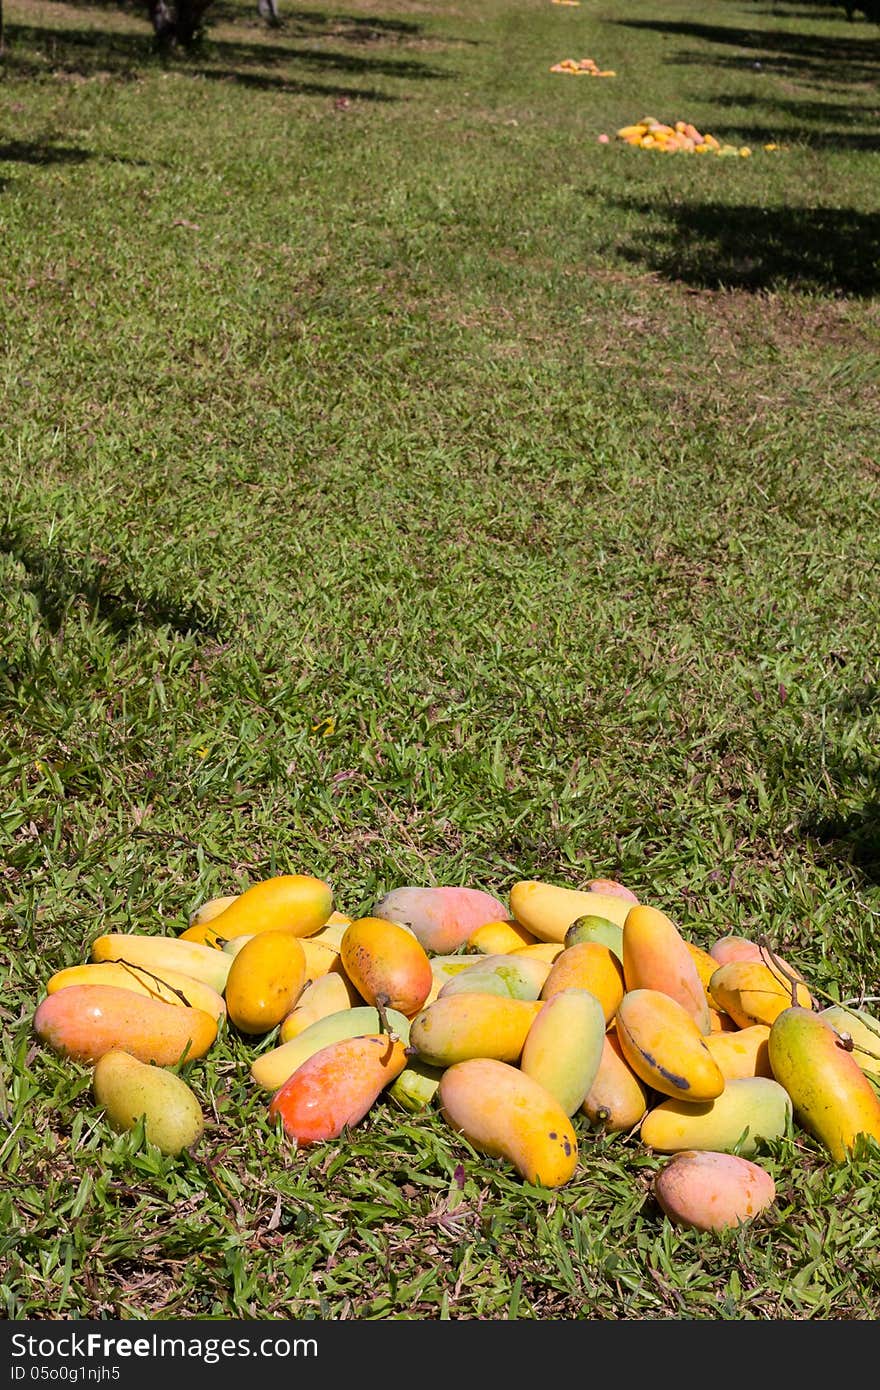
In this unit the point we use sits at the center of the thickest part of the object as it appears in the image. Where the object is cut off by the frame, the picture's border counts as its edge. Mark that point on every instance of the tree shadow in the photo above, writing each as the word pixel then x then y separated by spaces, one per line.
pixel 42 152
pixel 816 135
pixel 305 23
pixel 851 834
pixel 724 246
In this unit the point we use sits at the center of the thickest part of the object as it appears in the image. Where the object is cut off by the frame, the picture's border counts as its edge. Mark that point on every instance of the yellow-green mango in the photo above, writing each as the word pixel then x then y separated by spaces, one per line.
pixel 618 1098
pixel 210 909
pixel 664 1046
pixel 519 977
pixel 752 992
pixel 588 965
pixel 744 1052
pixel 458 1027
pixel 158 953
pixel 863 1028
pixel 327 995
pixel 129 1089
pixel 750 1110
pixel 593 928
pixel 563 1047
pixel 548 910
pixel 416 1086
pixel 833 1099
pixel 271 1069
pixel 709 1191
pixel 656 956
pixel 504 1113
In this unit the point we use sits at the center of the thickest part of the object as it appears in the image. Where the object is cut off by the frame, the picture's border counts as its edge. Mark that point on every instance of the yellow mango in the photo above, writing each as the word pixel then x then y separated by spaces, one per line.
pixel 749 1111
pixel 265 980
pixel 752 992
pixel 863 1028
pixel 129 1090
pixel 563 1047
pixel 329 994
pixel 458 1027
pixel 158 953
pixel 540 950
pixel 665 1048
pixel 743 1052
pixel 271 1069
pixel 618 1098
pixel 708 1191
pixel 656 956
pixel 504 1113
pixel 547 910
pixel 588 965
pixel 706 964
pixel 172 986
pixel 833 1099
pixel 496 938
pixel 210 909
pixel 297 903
pixel 387 965
pixel 85 1021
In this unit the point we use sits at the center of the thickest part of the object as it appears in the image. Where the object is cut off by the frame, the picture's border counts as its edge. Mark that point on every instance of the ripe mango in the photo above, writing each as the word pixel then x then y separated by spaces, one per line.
pixel 728 948
pixel 593 928
pixel 618 1098
pixel 863 1028
pixel 387 965
pixel 712 1191
pixel 298 903
pixel 129 1089
pixel 158 953
pixel 497 938
pixel 519 977
pixel 458 1027
pixel 750 1110
pixel 271 1069
pixel 656 956
pixel 705 963
pixel 588 965
pixel 265 980
pixel 611 887
pixel 85 1021
pixel 744 1052
pixel 540 950
pixel 547 910
pixel 833 1099
pixel 665 1048
pixel 335 1087
pixel 210 909
pixel 329 994
pixel 171 986
pixel 504 1113
pixel 753 992
pixel 563 1047
pixel 442 918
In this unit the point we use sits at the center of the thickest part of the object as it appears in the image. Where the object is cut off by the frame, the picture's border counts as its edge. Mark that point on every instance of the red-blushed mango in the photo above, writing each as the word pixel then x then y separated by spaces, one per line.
pixel 387 965
pixel 618 1098
pixel 158 953
pixel 329 994
pixel 442 918
pixel 130 1090
pixel 749 1111
pixel 752 992
pixel 520 977
pixel 548 910
pixel 271 1069
pixel 563 1047
pixel 296 903
pixel 656 956
pixel 742 1052
pixel 588 965
pixel 171 986
pixel 265 980
pixel 335 1087
pixel 833 1099
pixel 728 948
pixel 709 1191
pixel 85 1021
pixel 593 928
pixel 506 1114
pixel 497 938
pixel 461 1026
pixel 863 1028
pixel 665 1048
pixel 611 888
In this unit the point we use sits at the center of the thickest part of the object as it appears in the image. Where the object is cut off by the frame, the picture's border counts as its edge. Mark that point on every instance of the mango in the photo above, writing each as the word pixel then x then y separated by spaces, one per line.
pixel 833 1099
pixel 85 1021
pixel 387 965
pixel 298 903
pixel 749 1111
pixel 863 1028
pixel 129 1089
pixel 728 948
pixel 708 1191
pixel 519 977
pixel 158 953
pixel 744 1052
pixel 705 963
pixel 334 1088
pixel 442 918
pixel 171 986
pixel 664 1046
pixel 720 1022
pixel 504 1113
pixel 210 909
pixel 588 965
pixel 547 910
pixel 265 980
pixel 496 938
pixel 327 995
pixel 593 928
pixel 271 1069
pixel 656 956
pixel 752 992
pixel 563 1047
pixel 611 887
pixel 540 950
pixel 461 1026
pixel 618 1098
pixel 416 1086
pixel 203 933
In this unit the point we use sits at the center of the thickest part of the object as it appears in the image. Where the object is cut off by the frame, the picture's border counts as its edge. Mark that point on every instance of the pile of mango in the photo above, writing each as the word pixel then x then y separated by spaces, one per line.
pixel 528 1025
pixel 582 67
pixel 681 137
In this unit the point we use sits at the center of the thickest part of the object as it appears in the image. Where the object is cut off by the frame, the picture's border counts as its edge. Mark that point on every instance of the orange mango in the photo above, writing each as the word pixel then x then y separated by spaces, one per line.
pixel 85 1021
pixel 656 956
pixel 387 965
pixel 742 1052
pixel 265 980
pixel 665 1048
pixel 297 903
pixel 171 986
pixel 618 1098
pixel 752 992
pixel 335 1087
pixel 496 938
pixel 588 965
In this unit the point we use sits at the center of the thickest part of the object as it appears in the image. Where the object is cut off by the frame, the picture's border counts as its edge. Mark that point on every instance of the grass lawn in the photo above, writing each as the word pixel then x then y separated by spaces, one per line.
pixel 401 486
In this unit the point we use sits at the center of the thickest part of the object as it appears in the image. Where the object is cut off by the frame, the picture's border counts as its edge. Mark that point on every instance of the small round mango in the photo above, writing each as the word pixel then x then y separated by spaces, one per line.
pixel 129 1089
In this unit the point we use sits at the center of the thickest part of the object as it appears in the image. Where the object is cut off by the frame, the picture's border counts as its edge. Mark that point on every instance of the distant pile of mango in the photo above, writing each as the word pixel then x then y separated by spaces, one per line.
pixel 521 1023
pixel 680 138
pixel 582 67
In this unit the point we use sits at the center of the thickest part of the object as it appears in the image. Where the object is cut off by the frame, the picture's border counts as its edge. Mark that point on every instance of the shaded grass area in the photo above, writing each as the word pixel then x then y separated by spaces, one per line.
pixel 402 487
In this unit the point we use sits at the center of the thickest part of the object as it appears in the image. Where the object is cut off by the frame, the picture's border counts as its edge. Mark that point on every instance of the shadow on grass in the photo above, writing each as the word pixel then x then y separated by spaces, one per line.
pixel 821 57
pixel 853 835
pixel 816 124
pixel 723 246
pixel 42 152
pixel 302 23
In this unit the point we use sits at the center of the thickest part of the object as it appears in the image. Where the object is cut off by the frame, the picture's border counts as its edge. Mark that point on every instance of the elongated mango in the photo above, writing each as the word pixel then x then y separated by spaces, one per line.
pixel 461 1026
pixel 540 950
pixel 158 953
pixel 271 1069
pixel 743 1052
pixel 442 918
pixel 496 938
pixel 387 965
pixel 832 1097
pixel 298 903
pixel 656 956
pixel 705 963
pixel 85 1021
pixel 749 1111
pixel 752 992
pixel 335 1087
pixel 563 1047
pixel 664 1046
pixel 547 910
pixel 864 1030
pixel 171 986
pixel 130 1090
pixel 519 977
pixel 329 994
pixel 618 1098
pixel 709 1191
pixel 264 981
pixel 588 965
pixel 504 1113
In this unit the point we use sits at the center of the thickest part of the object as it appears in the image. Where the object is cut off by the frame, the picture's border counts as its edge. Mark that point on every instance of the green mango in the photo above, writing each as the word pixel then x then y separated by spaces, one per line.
pixel 129 1089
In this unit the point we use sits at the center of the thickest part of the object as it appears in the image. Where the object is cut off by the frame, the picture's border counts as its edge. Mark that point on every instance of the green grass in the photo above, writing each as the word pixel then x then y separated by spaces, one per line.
pixel 402 487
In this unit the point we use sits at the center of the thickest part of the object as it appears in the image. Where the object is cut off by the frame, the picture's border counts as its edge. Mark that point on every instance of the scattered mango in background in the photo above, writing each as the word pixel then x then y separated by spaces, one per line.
pixel 582 67
pixel 682 137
